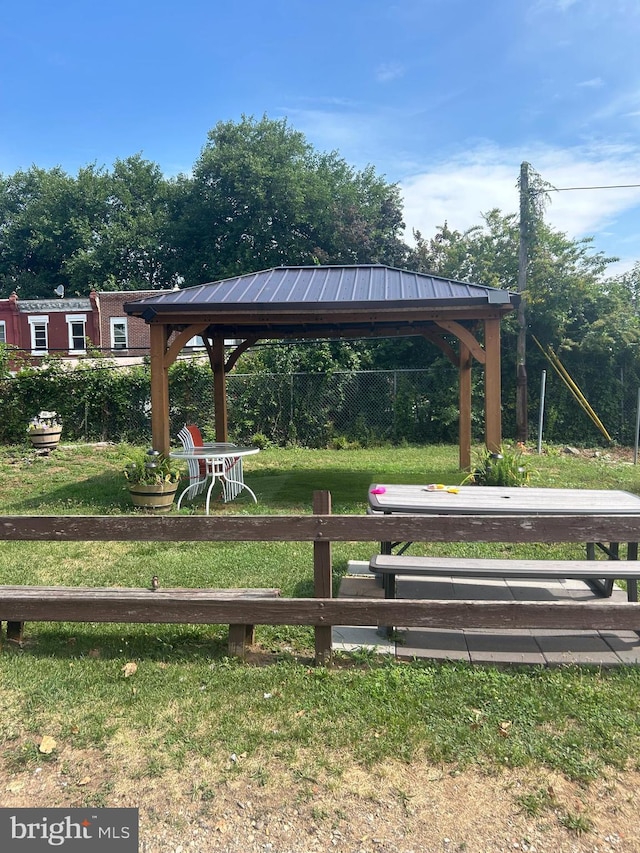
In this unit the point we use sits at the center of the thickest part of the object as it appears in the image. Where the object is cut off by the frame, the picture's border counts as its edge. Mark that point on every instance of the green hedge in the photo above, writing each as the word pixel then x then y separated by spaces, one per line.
pixel 99 400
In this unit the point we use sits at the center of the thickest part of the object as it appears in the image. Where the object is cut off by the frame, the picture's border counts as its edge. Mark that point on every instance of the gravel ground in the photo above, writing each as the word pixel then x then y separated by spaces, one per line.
pixel 394 808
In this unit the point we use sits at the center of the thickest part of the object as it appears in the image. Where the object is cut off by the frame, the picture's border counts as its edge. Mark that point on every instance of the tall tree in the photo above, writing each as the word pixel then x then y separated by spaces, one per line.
pixel 41 225
pixel 571 305
pixel 261 196
pixel 108 230
pixel 128 246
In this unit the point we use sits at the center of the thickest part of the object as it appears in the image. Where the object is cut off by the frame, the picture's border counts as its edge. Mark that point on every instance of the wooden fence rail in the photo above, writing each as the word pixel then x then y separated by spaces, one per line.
pixel 322 528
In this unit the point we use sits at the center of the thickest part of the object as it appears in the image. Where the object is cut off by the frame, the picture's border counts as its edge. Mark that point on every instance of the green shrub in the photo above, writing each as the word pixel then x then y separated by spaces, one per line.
pixel 508 467
pixel 259 439
pixel 150 468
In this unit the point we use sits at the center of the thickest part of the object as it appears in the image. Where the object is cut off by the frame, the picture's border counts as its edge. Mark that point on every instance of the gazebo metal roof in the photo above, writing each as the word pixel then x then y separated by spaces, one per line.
pixel 328 286
pixel 329 300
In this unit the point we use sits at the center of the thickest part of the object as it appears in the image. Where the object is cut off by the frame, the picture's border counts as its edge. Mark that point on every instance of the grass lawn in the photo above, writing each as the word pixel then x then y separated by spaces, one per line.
pixel 188 702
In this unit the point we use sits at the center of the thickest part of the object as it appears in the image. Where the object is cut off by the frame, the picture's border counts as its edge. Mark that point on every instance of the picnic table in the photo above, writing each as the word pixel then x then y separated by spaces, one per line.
pixel 439 499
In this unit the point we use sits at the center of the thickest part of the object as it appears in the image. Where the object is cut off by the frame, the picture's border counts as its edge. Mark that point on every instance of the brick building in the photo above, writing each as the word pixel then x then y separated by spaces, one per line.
pixel 72 327
pixel 38 327
pixel 120 334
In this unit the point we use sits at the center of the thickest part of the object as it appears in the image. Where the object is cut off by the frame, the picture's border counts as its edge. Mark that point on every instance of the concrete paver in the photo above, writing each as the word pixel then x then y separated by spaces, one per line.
pixel 541 647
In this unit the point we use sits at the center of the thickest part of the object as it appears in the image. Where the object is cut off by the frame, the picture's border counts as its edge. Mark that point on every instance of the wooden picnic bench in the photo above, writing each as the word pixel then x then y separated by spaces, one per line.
pixel 516 509
pixel 20 604
pixel 603 573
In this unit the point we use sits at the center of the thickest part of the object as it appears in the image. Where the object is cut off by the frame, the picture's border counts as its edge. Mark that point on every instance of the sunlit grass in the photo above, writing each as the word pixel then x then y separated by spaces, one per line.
pixel 187 698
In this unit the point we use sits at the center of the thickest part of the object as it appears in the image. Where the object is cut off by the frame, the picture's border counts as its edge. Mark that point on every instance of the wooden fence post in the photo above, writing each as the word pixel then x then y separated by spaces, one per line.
pixel 322 578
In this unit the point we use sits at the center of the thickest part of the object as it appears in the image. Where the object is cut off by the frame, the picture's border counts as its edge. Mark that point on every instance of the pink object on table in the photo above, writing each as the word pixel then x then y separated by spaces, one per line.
pixel 379 491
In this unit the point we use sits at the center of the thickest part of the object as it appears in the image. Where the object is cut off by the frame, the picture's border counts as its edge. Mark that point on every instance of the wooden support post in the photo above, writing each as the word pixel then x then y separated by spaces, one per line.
pixel 322 578
pixel 492 385
pixel 240 636
pixel 160 434
pixel 220 390
pixel 15 631
pixel 464 390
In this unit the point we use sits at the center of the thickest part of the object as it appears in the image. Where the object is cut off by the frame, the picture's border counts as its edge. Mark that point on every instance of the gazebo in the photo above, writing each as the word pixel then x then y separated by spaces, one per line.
pixel 328 302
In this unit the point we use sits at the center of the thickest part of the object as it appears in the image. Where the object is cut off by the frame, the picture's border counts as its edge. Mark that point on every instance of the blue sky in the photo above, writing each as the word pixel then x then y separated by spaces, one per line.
pixel 444 97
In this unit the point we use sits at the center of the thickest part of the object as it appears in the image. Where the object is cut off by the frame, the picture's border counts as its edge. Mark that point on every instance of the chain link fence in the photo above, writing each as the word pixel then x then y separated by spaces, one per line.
pixel 415 406
pixel 338 408
pixel 316 410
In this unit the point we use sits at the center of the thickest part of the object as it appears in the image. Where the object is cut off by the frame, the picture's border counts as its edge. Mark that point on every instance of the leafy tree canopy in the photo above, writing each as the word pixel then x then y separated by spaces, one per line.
pixel 589 320
pixel 126 246
pixel 259 195
pixel 567 290
pixel 42 215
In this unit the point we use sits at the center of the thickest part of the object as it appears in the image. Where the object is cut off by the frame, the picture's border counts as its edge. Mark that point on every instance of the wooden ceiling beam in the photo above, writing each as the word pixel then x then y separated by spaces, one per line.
pixel 237 352
pixel 437 339
pixel 415 330
pixel 268 319
pixel 176 345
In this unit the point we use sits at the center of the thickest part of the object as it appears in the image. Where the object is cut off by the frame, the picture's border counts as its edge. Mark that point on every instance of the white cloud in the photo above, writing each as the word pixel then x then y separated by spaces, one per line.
pixel 389 71
pixel 621 267
pixel 460 189
pixel 594 83
pixel 458 192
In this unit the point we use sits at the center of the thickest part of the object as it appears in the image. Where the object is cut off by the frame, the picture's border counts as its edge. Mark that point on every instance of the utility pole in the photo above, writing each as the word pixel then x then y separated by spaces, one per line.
pixel 522 424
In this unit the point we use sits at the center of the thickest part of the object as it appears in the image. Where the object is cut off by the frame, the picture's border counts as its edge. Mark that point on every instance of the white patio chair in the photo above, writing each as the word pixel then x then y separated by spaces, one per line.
pixel 197 470
pixel 233 480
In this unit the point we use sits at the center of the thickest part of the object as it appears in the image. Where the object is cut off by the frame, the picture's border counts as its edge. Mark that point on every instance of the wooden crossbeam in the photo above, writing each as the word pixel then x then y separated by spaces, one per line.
pixel 239 608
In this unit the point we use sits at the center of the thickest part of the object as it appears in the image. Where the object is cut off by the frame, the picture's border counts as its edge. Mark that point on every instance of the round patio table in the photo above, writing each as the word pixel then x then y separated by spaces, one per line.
pixel 217 458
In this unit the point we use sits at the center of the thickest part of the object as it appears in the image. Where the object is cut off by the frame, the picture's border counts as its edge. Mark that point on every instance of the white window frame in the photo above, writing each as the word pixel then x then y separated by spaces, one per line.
pixel 3 331
pixel 39 320
pixel 113 322
pixel 77 318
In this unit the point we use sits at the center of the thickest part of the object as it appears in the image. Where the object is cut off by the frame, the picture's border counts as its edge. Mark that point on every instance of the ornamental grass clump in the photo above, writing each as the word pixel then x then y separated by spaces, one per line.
pixel 151 469
pixel 508 467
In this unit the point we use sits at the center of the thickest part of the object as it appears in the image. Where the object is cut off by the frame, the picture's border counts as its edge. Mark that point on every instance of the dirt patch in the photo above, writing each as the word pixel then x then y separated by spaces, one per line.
pixel 608 454
pixel 241 807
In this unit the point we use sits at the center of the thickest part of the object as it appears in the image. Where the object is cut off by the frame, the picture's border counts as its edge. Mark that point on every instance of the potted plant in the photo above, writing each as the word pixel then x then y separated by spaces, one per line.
pixel 508 467
pixel 44 431
pixel 152 480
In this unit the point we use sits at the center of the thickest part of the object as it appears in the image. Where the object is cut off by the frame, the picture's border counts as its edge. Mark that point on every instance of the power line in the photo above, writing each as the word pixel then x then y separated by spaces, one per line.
pixel 569 189
pixel 609 187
